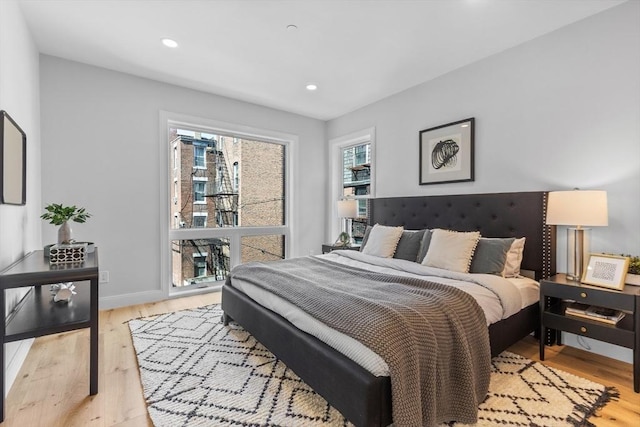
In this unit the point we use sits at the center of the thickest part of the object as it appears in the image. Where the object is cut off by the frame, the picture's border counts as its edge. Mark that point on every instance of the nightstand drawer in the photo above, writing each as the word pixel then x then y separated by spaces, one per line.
pixel 589 295
pixel 614 334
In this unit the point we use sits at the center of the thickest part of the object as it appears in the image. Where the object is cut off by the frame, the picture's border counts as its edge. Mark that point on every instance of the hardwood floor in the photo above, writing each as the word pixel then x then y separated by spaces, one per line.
pixel 53 385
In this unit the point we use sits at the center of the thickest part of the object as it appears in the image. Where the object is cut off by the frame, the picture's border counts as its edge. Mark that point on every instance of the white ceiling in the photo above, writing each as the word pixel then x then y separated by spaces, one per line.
pixel 357 52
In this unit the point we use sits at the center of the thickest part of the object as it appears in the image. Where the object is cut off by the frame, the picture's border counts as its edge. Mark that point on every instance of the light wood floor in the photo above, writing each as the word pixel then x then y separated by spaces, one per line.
pixel 53 385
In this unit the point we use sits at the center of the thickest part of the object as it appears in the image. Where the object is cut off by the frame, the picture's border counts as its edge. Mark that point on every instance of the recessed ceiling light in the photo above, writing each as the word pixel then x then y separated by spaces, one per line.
pixel 312 86
pixel 292 27
pixel 169 43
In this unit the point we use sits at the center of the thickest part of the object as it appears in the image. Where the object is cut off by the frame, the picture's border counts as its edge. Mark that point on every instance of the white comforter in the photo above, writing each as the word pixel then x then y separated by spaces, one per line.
pixel 499 298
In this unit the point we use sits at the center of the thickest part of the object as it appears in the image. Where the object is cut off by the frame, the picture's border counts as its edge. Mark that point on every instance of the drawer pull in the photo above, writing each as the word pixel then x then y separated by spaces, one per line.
pixel 583 329
pixel 583 294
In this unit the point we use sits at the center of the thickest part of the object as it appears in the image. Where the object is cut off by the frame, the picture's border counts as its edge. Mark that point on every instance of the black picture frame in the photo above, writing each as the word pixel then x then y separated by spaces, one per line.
pixel 447 153
pixel 13 162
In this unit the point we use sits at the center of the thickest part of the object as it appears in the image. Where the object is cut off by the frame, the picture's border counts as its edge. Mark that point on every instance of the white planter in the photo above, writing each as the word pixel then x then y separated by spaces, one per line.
pixel 632 279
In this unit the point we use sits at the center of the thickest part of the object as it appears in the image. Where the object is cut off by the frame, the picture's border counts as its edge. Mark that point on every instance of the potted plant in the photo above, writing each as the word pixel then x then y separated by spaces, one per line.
pixel 61 215
pixel 633 273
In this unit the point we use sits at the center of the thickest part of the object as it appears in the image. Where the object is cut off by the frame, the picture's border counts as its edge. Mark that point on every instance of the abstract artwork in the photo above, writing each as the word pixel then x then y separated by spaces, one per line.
pixel 446 153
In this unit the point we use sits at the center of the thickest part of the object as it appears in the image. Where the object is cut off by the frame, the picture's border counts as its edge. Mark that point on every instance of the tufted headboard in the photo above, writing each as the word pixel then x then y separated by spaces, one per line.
pixel 494 215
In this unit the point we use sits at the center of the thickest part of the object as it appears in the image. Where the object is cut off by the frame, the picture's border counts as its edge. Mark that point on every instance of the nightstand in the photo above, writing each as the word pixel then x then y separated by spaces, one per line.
pixel 555 293
pixel 328 247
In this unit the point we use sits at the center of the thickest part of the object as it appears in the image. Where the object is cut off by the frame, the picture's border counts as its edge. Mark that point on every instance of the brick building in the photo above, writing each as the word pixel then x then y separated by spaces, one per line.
pixel 221 181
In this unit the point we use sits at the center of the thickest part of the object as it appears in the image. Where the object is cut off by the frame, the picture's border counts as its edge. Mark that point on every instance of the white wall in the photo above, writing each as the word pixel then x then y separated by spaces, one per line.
pixel 100 148
pixel 558 112
pixel 20 97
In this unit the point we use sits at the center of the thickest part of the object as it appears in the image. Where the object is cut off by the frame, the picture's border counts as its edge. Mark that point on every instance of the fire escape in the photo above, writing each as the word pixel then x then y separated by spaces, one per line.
pixel 225 201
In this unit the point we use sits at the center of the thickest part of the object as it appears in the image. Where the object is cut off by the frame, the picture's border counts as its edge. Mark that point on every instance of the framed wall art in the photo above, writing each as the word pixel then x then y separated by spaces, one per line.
pixel 446 153
pixel 13 162
pixel 608 271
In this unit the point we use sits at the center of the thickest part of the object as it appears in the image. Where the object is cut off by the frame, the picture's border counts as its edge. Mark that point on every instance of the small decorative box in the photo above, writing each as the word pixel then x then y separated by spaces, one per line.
pixel 74 252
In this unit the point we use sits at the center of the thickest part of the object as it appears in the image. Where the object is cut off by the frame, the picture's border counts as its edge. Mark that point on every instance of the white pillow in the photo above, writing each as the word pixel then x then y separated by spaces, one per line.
pixel 514 258
pixel 451 250
pixel 383 241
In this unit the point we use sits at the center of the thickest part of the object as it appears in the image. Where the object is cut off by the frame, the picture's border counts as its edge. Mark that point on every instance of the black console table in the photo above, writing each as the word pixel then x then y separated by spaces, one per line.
pixel 37 314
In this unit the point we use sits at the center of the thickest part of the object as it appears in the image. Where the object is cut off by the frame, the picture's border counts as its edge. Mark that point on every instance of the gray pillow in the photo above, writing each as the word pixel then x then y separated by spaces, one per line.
pixel 409 245
pixel 365 237
pixel 490 255
pixel 424 245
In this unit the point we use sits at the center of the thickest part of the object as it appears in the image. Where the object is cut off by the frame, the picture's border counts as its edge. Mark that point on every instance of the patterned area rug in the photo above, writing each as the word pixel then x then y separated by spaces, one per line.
pixel 197 372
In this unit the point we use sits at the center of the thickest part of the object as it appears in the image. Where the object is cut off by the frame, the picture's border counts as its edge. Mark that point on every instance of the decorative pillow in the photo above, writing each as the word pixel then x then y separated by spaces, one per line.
pixel 451 250
pixel 514 258
pixel 490 255
pixel 409 245
pixel 383 241
pixel 365 237
pixel 424 246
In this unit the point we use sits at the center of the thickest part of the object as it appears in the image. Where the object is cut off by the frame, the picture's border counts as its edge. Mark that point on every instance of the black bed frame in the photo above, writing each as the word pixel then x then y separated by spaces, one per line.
pixel 361 397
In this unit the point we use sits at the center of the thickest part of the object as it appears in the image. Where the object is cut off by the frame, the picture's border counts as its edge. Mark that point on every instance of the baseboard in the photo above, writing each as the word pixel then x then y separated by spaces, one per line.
pixel 124 300
pixel 15 354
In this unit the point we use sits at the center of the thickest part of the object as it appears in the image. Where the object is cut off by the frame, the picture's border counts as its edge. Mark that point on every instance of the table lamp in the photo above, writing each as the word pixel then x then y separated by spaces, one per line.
pixel 577 208
pixel 347 208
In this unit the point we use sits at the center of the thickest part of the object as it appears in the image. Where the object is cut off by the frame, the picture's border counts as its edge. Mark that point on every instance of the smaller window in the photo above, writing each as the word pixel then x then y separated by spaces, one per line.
pixel 199 220
pixel 199 266
pixel 236 177
pixel 198 191
pixel 198 156
pixel 175 157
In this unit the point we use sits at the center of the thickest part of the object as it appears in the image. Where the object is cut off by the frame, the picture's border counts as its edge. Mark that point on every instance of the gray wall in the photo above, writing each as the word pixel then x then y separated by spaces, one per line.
pixel 100 150
pixel 558 112
pixel 20 97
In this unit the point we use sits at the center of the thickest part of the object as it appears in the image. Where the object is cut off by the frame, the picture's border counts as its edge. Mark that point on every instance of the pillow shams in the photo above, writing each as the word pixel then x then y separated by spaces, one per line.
pixel 514 258
pixel 365 237
pixel 382 241
pixel 424 246
pixel 490 255
pixel 451 250
pixel 409 245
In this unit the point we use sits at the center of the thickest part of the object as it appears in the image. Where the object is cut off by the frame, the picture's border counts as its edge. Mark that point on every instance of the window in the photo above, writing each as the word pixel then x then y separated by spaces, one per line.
pixel 198 191
pixel 199 219
pixel 231 205
pixel 199 156
pixel 175 157
pixel 199 265
pixel 352 168
pixel 236 177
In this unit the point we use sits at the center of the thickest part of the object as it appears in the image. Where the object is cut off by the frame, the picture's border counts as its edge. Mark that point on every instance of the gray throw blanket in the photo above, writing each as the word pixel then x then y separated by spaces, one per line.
pixel 433 337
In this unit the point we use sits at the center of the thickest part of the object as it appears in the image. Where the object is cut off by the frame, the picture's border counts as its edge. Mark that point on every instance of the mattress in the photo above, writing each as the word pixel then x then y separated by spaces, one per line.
pixel 498 297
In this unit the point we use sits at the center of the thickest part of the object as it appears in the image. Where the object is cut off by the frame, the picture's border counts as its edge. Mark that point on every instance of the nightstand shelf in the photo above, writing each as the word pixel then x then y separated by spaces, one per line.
pixel 557 292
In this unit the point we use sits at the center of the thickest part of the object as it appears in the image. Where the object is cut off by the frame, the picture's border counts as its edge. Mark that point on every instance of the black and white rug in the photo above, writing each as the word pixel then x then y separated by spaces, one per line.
pixel 197 372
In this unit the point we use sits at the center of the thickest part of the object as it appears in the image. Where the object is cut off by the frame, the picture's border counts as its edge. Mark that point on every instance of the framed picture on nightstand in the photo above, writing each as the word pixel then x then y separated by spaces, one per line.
pixel 608 271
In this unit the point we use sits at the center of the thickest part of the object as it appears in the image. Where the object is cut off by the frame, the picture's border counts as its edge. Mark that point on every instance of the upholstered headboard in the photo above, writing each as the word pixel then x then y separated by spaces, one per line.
pixel 494 215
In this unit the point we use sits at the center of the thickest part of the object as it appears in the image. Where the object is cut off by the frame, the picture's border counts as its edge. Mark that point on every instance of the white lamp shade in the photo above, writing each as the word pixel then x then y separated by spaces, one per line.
pixel 347 208
pixel 577 208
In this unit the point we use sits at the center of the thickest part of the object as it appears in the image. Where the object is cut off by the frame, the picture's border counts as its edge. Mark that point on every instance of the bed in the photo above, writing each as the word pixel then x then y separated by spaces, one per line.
pixel 362 397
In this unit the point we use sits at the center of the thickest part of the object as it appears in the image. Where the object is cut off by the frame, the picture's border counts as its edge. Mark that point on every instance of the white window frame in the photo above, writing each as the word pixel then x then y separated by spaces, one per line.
pixel 336 167
pixel 234 234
